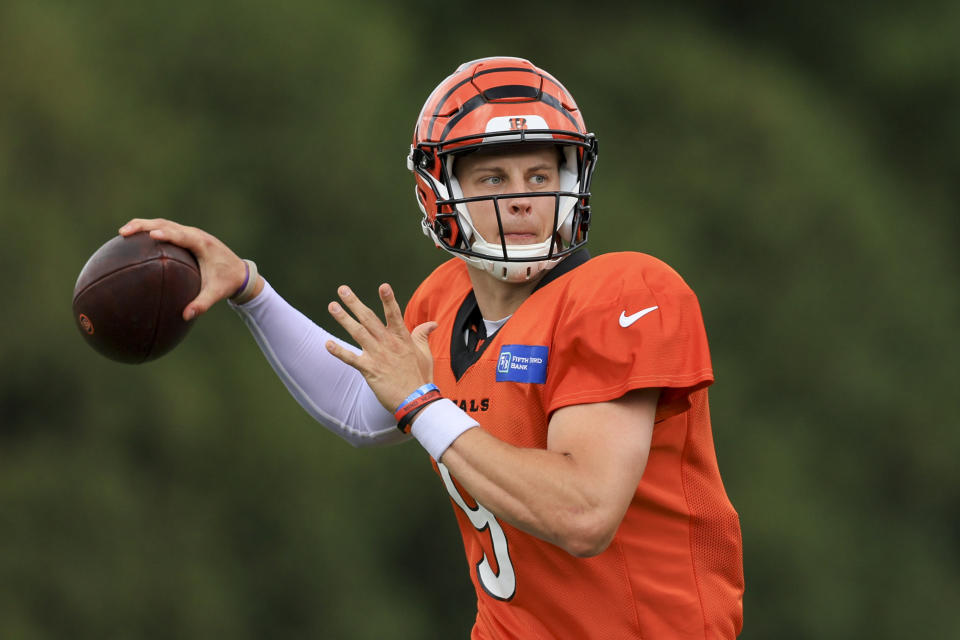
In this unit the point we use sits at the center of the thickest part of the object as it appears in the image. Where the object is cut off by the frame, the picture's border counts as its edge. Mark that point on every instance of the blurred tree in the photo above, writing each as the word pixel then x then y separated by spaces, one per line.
pixel 794 162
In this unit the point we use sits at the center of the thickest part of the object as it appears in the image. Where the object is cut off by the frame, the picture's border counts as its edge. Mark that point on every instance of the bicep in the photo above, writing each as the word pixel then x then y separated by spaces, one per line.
pixel 608 441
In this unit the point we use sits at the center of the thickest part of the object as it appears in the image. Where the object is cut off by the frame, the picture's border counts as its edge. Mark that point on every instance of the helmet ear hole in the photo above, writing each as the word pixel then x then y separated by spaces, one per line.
pixel 443 229
pixel 421 158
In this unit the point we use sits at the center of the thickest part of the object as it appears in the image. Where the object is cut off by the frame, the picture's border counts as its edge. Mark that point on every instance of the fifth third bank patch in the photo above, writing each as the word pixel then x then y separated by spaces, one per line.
pixel 522 363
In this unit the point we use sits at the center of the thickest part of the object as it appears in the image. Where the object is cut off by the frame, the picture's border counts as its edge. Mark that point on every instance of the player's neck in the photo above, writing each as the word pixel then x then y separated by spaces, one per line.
pixel 498 299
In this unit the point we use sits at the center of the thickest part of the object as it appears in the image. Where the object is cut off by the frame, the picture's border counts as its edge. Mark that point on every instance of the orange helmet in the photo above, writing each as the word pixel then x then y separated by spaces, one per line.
pixel 500 101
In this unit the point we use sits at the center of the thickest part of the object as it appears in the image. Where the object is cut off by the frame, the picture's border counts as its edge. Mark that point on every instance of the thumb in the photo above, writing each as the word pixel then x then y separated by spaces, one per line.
pixel 201 304
pixel 421 332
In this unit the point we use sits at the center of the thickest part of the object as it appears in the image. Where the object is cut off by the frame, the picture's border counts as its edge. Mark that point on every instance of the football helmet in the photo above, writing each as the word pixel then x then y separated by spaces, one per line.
pixel 498 102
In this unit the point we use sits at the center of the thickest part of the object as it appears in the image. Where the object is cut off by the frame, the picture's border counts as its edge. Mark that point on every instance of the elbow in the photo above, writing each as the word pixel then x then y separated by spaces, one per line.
pixel 377 440
pixel 587 547
pixel 589 537
pixel 364 437
pixel 362 443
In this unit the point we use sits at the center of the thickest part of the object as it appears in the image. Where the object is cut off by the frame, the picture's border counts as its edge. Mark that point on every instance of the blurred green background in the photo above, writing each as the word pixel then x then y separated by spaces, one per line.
pixel 796 162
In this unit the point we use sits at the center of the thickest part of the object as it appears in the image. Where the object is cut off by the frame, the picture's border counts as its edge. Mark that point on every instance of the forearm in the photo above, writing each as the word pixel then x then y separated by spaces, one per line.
pixel 575 492
pixel 335 394
pixel 545 493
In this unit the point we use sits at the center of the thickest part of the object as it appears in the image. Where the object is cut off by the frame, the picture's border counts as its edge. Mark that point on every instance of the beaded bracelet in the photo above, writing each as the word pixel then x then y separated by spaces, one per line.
pixel 409 409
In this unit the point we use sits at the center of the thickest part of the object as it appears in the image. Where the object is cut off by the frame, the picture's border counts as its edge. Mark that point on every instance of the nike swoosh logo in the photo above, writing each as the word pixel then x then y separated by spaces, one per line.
pixel 626 321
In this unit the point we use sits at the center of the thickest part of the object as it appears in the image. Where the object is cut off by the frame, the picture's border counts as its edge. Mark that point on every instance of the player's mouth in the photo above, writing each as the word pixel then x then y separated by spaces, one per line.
pixel 521 238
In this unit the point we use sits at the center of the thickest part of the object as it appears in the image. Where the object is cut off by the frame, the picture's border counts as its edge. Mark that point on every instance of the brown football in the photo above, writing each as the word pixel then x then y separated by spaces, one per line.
pixel 129 298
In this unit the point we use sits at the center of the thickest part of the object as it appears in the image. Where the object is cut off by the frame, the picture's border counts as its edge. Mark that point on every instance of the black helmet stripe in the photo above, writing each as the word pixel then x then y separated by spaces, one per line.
pixel 505 91
pixel 511 91
pixel 544 76
pixel 440 103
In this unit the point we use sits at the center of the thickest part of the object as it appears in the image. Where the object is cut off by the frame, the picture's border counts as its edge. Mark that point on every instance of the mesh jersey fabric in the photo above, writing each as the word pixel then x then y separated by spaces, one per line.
pixel 674 568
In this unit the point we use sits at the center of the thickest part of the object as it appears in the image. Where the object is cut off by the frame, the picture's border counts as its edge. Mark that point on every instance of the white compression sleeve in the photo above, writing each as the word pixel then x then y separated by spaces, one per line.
pixel 333 392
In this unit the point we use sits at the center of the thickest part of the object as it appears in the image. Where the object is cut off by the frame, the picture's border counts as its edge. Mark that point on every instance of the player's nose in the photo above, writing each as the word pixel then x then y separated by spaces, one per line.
pixel 520 206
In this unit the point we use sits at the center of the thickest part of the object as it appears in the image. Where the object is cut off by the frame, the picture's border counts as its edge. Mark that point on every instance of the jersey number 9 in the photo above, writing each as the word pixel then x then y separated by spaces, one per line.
pixel 502 584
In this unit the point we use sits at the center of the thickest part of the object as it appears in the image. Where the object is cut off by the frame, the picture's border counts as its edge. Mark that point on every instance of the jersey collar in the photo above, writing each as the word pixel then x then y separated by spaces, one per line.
pixel 463 353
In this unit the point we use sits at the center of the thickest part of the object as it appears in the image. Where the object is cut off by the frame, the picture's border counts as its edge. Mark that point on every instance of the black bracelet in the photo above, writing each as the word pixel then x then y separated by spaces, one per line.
pixel 414 408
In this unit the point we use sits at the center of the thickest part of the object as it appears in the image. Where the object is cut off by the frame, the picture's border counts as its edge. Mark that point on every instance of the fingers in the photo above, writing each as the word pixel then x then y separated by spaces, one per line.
pixel 364 315
pixel 133 226
pixel 137 225
pixel 222 271
pixel 364 325
pixel 196 240
pixel 347 356
pixel 175 234
pixel 392 360
pixel 166 231
pixel 356 330
pixel 187 237
pixel 391 310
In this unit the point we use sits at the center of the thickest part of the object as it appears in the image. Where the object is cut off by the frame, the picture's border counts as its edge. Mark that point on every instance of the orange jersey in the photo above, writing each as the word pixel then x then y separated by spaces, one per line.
pixel 614 323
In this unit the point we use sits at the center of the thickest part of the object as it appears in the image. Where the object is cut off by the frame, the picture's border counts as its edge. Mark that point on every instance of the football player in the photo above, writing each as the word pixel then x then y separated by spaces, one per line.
pixel 562 398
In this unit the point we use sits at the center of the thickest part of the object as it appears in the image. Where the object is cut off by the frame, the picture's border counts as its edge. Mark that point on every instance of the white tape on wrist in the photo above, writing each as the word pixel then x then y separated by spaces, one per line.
pixel 439 424
pixel 245 293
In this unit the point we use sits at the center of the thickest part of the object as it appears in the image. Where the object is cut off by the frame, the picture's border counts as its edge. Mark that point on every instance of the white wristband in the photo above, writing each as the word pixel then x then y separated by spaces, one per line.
pixel 439 424
pixel 245 293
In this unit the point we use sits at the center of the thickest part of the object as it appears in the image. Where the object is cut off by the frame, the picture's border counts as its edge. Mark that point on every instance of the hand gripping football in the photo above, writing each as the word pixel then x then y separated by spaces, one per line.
pixel 129 298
